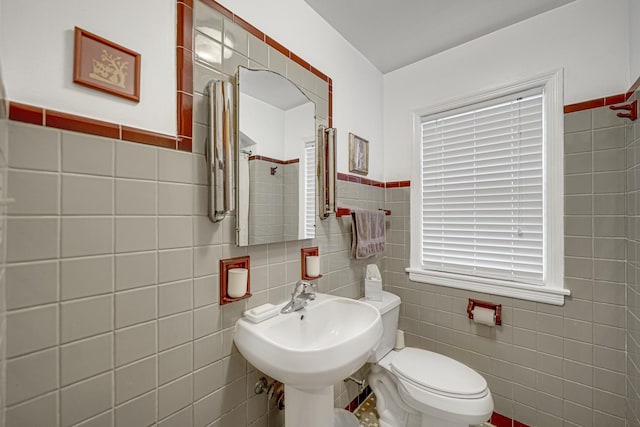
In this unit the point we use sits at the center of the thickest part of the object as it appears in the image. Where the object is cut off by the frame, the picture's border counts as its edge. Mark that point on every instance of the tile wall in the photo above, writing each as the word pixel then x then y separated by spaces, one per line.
pixel 3 277
pixel 633 272
pixel 273 201
pixel 546 365
pixel 266 203
pixel 112 290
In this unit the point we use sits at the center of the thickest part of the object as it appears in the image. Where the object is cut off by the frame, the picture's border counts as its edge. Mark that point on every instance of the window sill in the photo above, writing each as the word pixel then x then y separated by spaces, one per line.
pixel 542 294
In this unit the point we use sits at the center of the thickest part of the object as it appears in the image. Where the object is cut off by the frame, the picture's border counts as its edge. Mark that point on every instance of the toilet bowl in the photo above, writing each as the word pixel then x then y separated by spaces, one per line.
pixel 420 388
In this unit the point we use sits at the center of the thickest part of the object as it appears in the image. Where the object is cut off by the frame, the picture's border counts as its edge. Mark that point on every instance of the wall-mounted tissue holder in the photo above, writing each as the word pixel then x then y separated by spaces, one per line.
pixel 496 308
pixel 226 265
pixel 310 263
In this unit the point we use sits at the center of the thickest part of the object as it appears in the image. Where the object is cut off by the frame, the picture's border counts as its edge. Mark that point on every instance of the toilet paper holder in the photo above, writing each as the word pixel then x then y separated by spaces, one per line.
pixel 473 303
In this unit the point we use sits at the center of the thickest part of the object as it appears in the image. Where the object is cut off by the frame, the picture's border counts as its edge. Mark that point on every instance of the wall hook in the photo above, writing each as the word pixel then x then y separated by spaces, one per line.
pixel 632 108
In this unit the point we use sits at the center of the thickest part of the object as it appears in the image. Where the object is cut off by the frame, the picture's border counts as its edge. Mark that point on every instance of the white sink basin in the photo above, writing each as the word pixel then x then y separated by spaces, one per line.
pixel 315 347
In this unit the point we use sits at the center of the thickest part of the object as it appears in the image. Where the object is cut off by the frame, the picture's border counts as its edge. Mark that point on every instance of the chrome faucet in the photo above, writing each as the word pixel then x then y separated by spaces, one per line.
pixel 299 297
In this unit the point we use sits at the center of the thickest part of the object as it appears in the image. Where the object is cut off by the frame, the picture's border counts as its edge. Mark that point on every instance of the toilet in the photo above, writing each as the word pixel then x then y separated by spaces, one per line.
pixel 420 388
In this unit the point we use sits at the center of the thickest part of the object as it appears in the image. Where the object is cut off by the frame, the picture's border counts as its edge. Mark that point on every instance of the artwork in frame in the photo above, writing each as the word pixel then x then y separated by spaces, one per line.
pixel 358 155
pixel 106 66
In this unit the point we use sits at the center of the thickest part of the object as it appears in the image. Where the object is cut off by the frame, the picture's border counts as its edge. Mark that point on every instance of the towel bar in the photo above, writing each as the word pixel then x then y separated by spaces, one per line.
pixel 346 211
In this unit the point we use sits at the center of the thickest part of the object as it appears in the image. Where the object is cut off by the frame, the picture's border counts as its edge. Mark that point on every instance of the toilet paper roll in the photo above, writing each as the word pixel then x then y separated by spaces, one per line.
pixel 237 282
pixel 313 265
pixel 399 340
pixel 484 316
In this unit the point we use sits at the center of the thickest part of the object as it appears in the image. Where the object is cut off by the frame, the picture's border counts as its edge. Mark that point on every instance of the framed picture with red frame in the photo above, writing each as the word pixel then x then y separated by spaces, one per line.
pixel 106 66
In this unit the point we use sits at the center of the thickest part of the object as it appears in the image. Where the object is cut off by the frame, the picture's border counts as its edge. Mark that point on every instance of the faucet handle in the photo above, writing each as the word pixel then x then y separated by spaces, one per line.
pixel 308 291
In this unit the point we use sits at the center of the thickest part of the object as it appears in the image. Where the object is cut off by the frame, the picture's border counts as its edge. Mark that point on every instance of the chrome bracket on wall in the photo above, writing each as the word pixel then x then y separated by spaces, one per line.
pixel 326 171
pixel 220 149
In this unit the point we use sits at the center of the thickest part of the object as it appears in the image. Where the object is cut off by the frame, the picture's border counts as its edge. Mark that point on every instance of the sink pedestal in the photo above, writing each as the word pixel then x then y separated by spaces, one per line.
pixel 311 407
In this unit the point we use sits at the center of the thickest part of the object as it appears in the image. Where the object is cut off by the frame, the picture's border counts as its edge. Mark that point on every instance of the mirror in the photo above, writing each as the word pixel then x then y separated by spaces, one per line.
pixel 276 159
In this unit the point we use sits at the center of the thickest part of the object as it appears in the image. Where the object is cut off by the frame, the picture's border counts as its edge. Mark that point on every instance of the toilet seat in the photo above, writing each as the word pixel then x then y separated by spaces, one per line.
pixel 437 374
pixel 438 386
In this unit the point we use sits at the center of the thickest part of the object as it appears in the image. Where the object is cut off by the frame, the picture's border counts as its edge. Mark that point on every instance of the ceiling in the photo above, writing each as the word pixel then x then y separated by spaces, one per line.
pixel 392 34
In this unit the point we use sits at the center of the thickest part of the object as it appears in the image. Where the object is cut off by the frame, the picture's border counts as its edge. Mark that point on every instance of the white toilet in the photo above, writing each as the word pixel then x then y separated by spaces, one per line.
pixel 419 388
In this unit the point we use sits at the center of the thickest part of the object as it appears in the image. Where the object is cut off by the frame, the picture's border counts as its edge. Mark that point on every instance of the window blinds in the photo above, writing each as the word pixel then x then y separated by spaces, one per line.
pixel 310 189
pixel 482 190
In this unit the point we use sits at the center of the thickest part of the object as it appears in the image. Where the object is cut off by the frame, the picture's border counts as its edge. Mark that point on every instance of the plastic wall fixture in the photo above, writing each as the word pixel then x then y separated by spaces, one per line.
pixel 220 149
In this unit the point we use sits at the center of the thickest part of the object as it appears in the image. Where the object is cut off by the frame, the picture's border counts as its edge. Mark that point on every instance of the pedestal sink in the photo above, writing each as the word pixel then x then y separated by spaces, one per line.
pixel 310 350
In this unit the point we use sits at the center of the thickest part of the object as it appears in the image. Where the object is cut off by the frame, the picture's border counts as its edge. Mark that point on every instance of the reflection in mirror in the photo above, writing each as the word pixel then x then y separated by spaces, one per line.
pixel 276 160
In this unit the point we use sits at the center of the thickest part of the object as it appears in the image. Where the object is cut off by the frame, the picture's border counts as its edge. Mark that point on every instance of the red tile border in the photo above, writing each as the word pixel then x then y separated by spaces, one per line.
pixel 500 420
pixel 586 105
pixel 595 103
pixel 60 120
pixel 277 46
pixel 248 27
pixel 615 99
pixel 184 60
pixel 359 180
pixel 273 160
pixel 184 30
pixel 71 122
pixel 304 64
pixel 147 137
pixel 188 3
pixel 185 114
pixel 185 144
pixel 397 184
pixel 26 113
pixel 219 8
pixel 319 73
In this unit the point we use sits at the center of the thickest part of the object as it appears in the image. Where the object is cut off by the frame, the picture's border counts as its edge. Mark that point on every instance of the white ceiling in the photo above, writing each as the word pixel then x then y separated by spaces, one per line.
pixel 392 34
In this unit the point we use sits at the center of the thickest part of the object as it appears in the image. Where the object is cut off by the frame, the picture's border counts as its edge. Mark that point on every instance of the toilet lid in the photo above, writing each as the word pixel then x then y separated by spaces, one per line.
pixel 437 373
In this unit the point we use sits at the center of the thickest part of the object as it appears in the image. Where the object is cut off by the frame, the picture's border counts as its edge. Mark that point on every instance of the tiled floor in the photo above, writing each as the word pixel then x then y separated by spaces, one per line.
pixel 366 412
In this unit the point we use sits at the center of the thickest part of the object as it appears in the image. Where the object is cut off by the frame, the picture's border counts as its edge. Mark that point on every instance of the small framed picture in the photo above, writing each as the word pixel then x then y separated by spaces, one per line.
pixel 106 66
pixel 358 155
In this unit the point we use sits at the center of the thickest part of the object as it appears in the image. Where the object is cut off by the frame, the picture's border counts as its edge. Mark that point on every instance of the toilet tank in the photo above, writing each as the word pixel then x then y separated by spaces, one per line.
pixel 389 309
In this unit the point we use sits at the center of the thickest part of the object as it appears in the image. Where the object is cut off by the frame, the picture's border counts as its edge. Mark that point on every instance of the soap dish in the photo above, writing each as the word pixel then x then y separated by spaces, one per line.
pixel 261 313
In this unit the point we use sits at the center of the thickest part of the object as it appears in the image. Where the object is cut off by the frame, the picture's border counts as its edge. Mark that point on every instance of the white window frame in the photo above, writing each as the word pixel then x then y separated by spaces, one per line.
pixel 553 290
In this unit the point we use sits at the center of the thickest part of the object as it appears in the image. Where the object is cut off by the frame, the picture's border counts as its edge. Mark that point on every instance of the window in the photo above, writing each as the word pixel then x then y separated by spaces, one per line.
pixel 489 197
pixel 309 190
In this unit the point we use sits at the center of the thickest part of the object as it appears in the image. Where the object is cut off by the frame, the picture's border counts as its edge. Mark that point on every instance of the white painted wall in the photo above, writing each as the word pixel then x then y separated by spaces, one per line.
pixel 634 40
pixel 357 85
pixel 588 38
pixel 299 129
pixel 36 50
pixel 264 124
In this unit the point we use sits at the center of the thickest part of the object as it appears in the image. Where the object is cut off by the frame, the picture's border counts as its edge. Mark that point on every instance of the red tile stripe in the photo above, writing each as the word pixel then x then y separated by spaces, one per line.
pixel 26 113
pixel 184 73
pixel 60 120
pixel 65 121
pixel 360 180
pixel 184 30
pixel 147 137
pixel 398 184
pixel 595 103
pixel 272 160
pixel 501 421
pixel 366 181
